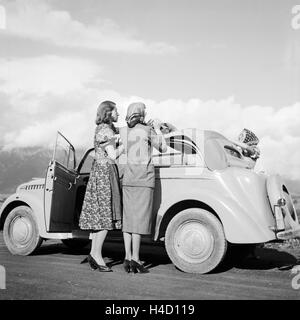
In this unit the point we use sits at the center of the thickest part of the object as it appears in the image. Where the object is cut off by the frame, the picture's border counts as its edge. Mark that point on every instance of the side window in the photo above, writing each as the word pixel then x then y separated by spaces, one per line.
pixel 170 158
pixel 181 152
pixel 64 152
pixel 86 166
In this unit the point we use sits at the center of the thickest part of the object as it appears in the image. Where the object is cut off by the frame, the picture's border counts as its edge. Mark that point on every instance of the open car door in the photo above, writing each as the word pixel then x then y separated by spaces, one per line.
pixel 60 191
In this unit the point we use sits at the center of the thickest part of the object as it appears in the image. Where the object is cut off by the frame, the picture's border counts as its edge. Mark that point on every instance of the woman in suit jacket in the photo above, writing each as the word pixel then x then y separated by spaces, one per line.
pixel 138 181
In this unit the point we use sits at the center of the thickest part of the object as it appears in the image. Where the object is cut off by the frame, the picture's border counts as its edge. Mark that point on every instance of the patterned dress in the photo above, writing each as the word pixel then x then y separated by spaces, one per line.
pixel 97 209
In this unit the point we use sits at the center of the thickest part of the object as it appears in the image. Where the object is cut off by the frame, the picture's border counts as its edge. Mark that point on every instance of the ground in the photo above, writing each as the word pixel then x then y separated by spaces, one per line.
pixel 55 272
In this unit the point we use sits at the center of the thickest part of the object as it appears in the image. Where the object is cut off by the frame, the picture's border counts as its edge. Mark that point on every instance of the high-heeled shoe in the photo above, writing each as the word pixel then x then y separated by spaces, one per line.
pixel 126 265
pixel 85 260
pixel 138 267
pixel 104 268
pixel 92 262
pixel 89 260
pixel 94 265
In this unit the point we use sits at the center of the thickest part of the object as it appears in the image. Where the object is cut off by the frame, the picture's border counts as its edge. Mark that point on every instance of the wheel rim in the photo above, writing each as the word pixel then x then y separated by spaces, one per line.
pixel 193 242
pixel 20 231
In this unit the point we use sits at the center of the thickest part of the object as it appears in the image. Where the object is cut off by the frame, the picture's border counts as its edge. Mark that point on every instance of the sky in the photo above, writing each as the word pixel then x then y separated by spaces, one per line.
pixel 218 65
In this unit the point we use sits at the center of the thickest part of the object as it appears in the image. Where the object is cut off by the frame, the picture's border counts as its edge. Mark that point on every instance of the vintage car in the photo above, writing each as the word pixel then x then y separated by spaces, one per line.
pixel 207 198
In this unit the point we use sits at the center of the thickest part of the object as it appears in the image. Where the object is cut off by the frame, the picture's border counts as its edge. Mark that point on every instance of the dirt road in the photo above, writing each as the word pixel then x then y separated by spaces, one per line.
pixel 55 272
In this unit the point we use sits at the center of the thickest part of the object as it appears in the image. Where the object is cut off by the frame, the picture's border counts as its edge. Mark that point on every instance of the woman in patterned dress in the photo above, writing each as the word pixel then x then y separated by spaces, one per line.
pixel 101 210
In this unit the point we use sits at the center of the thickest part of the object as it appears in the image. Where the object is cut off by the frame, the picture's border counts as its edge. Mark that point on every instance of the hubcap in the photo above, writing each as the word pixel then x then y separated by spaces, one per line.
pixel 193 242
pixel 20 231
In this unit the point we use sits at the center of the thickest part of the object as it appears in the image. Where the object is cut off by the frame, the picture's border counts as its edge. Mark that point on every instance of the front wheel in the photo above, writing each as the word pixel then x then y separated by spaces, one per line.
pixel 20 232
pixel 195 241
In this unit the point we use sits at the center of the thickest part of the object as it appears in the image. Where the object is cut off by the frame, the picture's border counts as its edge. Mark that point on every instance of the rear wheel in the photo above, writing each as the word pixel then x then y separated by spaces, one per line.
pixel 195 241
pixel 76 243
pixel 20 232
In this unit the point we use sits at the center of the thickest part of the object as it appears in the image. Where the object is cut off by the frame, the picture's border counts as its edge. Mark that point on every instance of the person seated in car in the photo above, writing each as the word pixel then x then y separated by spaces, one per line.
pixel 248 146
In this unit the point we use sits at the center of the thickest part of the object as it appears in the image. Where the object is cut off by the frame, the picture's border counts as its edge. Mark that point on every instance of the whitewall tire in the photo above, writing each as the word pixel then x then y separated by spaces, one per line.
pixel 20 232
pixel 195 241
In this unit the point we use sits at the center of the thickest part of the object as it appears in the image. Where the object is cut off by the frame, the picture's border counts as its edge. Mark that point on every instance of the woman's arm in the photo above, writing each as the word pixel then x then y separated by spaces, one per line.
pixel 250 151
pixel 114 153
pixel 158 140
pixel 108 140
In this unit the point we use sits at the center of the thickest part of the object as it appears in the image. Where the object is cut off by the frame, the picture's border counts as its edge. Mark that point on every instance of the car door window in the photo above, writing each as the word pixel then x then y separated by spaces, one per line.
pixel 64 152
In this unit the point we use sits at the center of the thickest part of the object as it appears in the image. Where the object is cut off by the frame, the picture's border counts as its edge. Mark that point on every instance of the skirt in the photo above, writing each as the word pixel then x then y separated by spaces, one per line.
pixel 137 210
pixel 101 200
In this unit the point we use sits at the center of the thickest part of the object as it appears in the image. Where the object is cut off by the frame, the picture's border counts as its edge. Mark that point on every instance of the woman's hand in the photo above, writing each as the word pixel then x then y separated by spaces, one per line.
pixel 156 123
pixel 114 153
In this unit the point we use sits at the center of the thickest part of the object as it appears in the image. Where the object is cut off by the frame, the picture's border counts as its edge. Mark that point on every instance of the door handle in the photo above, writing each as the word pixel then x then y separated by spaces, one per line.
pixel 76 178
pixel 70 186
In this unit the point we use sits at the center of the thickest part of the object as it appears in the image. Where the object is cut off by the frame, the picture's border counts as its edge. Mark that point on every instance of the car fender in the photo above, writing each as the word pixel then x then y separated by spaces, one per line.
pixel 275 187
pixel 240 225
pixel 33 202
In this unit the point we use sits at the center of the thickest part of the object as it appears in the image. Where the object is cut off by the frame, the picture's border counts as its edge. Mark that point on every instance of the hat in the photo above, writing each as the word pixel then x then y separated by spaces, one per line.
pixel 248 137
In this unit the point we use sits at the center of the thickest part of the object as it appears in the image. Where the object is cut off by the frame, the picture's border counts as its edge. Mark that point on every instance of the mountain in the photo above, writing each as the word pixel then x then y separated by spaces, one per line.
pixel 20 165
pixel 293 186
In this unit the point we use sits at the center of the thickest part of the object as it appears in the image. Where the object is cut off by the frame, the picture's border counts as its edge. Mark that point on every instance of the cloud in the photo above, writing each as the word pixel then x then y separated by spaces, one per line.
pixel 36 20
pixel 44 85
pixel 278 129
pixel 46 74
pixel 39 96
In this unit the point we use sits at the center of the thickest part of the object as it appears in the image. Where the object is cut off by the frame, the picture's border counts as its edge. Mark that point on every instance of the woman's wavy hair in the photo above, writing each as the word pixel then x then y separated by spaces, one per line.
pixel 104 112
